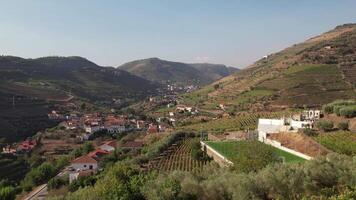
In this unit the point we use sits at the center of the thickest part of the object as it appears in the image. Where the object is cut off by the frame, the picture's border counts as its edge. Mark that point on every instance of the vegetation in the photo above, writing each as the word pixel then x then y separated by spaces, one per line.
pixel 241 122
pixel 186 157
pixel 162 71
pixel 343 126
pixel 346 108
pixel 13 168
pixel 343 142
pixel 322 178
pixel 325 125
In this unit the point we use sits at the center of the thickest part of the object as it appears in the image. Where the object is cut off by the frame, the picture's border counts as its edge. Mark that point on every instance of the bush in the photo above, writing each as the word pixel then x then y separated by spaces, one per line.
pixel 343 126
pixel 309 132
pixel 348 111
pixel 7 193
pixel 325 125
pixel 56 183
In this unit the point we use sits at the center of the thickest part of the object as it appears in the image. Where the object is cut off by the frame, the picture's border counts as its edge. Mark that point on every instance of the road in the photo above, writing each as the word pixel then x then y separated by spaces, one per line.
pixel 41 191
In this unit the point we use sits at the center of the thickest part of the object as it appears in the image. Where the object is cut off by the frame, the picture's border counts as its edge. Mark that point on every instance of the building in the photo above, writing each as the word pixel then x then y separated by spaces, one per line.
pixel 270 126
pixel 108 146
pixel 152 128
pixel 92 128
pixel 140 124
pixel 85 162
pixel 114 127
pixel 75 175
pixel 311 115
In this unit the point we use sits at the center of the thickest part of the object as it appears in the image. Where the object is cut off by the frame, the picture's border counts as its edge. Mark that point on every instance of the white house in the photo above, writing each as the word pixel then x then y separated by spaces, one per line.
pixel 92 129
pixel 85 162
pixel 311 114
pixel 266 126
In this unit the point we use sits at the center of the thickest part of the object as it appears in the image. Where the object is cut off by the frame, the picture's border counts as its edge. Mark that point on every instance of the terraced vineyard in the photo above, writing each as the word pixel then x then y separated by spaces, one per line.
pixel 177 157
pixel 343 142
pixel 241 122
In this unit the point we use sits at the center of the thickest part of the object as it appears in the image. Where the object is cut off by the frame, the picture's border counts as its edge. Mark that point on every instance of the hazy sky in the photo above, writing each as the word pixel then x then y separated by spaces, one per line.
pixel 113 32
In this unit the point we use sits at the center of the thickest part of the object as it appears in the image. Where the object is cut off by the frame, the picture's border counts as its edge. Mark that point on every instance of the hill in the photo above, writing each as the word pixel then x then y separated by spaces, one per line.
pixel 162 71
pixel 35 85
pixel 311 73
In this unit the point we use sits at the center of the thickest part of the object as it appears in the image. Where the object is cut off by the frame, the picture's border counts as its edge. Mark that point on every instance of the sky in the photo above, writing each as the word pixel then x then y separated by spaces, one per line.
pixel 113 32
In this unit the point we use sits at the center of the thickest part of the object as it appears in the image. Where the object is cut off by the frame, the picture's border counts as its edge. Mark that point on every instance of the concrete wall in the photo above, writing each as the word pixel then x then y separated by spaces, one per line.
pixel 220 159
pixel 279 146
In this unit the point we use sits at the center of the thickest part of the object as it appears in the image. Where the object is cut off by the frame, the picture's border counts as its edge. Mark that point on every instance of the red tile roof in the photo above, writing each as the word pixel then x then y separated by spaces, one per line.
pixel 85 159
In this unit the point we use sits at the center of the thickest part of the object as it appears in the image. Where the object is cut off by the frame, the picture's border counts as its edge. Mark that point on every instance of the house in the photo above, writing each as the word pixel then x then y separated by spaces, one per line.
pixel 92 128
pixel 108 146
pixel 140 124
pixel 71 124
pixel 85 162
pixel 9 150
pixel 27 145
pixel 270 126
pixel 311 115
pixel 115 126
pixel 152 128
pixel 55 116
pixel 161 128
pixel 171 114
pixel 266 126
pixel 132 145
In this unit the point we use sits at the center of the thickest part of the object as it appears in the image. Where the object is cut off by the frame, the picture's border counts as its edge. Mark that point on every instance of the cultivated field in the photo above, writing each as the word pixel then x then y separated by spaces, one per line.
pixel 241 122
pixel 178 157
pixel 230 150
pixel 343 142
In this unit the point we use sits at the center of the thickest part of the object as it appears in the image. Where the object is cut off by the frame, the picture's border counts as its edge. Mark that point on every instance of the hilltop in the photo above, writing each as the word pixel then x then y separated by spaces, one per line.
pixel 311 73
pixel 162 71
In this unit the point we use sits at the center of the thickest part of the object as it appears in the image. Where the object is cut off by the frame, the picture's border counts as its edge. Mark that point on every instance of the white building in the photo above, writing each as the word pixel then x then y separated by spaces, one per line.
pixel 85 162
pixel 270 126
pixel 92 129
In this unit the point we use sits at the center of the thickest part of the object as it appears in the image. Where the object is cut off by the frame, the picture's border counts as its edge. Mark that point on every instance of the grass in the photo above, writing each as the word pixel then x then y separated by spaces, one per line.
pixel 230 149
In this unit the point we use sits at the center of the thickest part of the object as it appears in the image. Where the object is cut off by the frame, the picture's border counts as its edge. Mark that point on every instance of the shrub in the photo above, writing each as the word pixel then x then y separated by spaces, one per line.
pixel 348 111
pixel 325 125
pixel 343 126
pixel 309 132
pixel 56 183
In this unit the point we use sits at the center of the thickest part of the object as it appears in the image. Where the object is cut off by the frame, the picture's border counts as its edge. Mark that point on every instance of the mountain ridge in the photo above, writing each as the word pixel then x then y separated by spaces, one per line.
pixel 163 71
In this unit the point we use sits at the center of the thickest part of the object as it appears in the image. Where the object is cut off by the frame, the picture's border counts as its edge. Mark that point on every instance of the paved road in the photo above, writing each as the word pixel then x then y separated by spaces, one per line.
pixel 41 191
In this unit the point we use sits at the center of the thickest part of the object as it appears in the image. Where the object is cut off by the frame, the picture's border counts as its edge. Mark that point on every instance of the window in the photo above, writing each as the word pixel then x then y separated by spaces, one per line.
pixel 90 166
pixel 85 165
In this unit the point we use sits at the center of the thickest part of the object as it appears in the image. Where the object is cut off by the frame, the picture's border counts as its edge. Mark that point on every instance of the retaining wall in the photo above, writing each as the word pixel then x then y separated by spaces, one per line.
pixel 279 146
pixel 220 159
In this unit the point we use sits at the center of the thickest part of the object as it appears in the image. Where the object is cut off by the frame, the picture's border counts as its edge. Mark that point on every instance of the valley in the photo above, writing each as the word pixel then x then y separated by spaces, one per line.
pixel 282 128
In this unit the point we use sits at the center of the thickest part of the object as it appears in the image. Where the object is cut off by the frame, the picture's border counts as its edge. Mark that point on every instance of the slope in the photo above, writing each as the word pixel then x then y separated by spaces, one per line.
pixel 311 73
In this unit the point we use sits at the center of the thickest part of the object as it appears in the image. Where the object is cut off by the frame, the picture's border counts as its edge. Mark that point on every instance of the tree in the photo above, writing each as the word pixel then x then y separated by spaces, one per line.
pixel 343 126
pixel 88 147
pixel 216 86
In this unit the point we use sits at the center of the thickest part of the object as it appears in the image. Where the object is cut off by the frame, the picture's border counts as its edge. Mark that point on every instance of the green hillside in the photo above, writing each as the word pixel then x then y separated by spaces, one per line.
pixel 311 73
pixel 162 71
pixel 35 85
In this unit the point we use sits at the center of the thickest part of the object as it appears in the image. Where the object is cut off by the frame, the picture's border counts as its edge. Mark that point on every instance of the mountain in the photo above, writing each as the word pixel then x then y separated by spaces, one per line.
pixel 311 73
pixel 162 71
pixel 30 87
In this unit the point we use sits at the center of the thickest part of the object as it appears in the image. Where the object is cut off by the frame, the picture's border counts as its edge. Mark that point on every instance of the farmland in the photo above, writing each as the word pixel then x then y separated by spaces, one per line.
pixel 241 122
pixel 343 142
pixel 231 149
pixel 178 157
pixel 12 168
